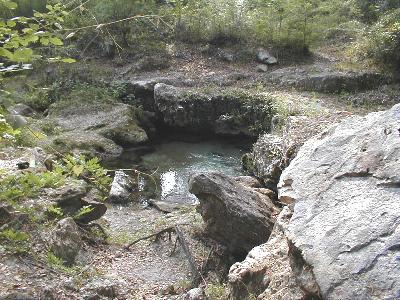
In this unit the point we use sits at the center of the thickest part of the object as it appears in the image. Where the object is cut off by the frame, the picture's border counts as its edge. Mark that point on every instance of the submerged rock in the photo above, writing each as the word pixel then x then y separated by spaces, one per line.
pixel 345 188
pixel 121 188
pixel 65 240
pixel 236 216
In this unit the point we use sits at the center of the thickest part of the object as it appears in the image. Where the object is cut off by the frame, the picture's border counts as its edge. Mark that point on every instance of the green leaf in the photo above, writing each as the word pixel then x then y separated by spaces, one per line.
pixel 11 23
pixel 68 60
pixel 5 53
pixel 77 170
pixel 56 41
pixel 44 41
pixel 10 4
pixel 22 55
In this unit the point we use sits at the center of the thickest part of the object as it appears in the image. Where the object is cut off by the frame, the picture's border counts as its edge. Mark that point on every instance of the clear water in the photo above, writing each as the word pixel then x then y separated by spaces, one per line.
pixel 176 161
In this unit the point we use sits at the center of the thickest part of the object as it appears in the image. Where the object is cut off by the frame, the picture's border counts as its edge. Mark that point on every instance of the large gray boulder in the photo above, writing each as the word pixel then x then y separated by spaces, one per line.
pixel 344 187
pixel 21 109
pixel 338 237
pixel 235 215
pixel 65 240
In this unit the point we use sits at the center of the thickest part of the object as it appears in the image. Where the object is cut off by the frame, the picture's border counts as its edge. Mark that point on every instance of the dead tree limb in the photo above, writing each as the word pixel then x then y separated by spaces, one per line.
pixel 158 234
pixel 196 275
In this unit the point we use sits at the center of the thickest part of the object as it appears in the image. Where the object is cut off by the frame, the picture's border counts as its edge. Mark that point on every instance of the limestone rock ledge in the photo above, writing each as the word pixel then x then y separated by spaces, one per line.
pixel 343 190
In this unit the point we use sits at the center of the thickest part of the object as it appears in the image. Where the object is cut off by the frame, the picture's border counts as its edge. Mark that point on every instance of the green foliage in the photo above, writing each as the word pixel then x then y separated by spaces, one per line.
pixel 15 188
pixel 19 33
pixel 381 43
pixel 53 260
pixel 54 212
pixel 8 135
pixel 130 35
pixel 216 291
pixel 89 170
pixel 83 211
pixel 15 242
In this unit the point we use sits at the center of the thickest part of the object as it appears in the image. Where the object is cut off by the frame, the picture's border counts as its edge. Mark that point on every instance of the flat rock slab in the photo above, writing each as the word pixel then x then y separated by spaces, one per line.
pixel 345 188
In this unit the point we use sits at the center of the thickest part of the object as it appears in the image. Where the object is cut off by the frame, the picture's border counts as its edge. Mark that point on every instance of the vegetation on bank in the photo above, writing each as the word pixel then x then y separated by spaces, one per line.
pixel 371 28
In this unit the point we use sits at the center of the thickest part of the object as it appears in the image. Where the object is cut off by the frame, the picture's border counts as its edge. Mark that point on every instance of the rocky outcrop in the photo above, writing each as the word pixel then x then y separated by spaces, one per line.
pixel 345 187
pixel 272 153
pixel 341 222
pixel 98 129
pixel 323 78
pixel 121 188
pixel 231 112
pixel 74 196
pixel 65 240
pixel 235 216
pixel 273 270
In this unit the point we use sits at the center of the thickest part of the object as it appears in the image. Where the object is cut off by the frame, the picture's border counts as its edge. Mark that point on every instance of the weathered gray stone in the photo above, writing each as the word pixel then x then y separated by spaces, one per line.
pixel 16 121
pixel 248 181
pixel 17 296
pixel 263 56
pixel 121 188
pixel 95 128
pixel 230 112
pixel 234 215
pixel 273 270
pixel 102 287
pixel 73 196
pixel 323 78
pixel 86 143
pixel 21 109
pixel 65 240
pixel 262 68
pixel 195 294
pixel 345 188
pixel 272 153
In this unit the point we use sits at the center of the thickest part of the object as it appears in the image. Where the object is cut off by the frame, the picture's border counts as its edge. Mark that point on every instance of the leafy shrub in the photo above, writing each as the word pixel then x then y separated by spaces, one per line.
pixel 128 35
pixel 29 185
pixel 381 43
pixel 90 170
pixel 14 241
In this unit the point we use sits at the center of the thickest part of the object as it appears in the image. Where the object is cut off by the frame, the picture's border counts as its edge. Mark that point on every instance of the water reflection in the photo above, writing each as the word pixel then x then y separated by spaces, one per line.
pixel 177 161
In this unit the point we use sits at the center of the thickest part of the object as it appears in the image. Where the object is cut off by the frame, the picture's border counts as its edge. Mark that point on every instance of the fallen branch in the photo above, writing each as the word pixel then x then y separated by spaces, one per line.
pixel 196 275
pixel 158 234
